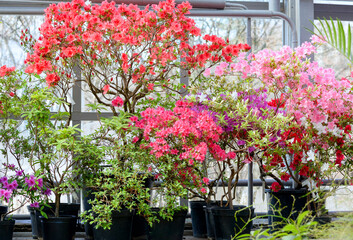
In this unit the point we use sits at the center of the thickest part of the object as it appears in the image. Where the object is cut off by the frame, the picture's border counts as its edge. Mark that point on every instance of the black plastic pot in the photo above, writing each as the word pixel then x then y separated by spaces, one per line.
pixel 6 229
pixel 66 209
pixel 34 223
pixel 3 210
pixel 230 222
pixel 120 228
pixel 209 217
pixel 139 227
pixel 171 230
pixel 87 196
pixel 286 203
pixel 198 219
pixel 58 228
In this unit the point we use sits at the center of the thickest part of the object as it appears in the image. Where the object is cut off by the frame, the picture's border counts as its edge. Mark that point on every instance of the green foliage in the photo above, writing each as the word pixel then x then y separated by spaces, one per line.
pixel 340 229
pixel 298 229
pixel 336 36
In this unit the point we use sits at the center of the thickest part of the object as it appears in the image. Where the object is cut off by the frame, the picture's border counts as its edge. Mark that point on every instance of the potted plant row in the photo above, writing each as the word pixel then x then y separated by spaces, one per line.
pixel 274 108
pixel 129 60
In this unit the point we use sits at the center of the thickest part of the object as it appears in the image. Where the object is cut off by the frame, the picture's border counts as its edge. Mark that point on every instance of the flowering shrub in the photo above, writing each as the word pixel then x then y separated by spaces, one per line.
pixel 178 140
pixel 125 54
pixel 320 106
pixel 250 124
pixel 15 182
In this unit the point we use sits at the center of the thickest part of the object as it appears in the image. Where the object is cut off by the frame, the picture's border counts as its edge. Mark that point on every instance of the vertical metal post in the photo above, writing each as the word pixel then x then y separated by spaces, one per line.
pixel 184 79
pixel 76 96
pixel 250 167
pixel 76 110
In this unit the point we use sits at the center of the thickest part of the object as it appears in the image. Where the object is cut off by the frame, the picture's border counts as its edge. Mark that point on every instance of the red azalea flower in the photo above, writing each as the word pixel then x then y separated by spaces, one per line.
pixel 285 177
pixel 275 187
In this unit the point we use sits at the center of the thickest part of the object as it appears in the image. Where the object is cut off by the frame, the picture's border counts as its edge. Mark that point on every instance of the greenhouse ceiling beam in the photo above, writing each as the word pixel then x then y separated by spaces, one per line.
pixel 248 14
pixel 32 7
pixel 343 12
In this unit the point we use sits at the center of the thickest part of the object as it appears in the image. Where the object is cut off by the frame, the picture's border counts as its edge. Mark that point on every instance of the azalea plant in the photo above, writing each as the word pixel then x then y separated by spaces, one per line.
pixel 127 56
pixel 249 124
pixel 18 189
pixel 178 140
pixel 320 105
pixel 32 136
pixel 121 186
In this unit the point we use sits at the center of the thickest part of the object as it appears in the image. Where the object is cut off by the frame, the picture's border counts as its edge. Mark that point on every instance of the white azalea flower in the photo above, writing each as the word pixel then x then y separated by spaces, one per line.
pixel 311 155
pixel 234 95
pixel 325 167
pixel 321 128
pixel 203 97
pixel 310 183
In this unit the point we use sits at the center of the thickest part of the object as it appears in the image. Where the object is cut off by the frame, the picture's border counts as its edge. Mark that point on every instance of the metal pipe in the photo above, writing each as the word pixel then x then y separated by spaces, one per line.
pixel 258 182
pixel 250 166
pixel 219 4
pixel 235 5
pixel 274 5
pixel 248 13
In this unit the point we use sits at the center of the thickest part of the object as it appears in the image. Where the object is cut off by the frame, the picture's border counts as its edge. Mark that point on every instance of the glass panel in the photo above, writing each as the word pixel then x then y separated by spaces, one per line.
pixel 11 52
pixel 329 57
pixel 266 33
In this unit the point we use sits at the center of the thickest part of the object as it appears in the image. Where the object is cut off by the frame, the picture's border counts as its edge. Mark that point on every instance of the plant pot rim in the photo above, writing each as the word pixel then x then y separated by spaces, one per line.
pixel 240 209
pixel 7 222
pixel 288 191
pixel 53 218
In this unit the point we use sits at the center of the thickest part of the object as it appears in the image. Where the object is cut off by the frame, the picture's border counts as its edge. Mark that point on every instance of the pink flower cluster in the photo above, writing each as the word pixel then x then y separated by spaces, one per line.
pixel 181 132
pixel 5 71
pixel 21 184
pixel 312 94
pixel 69 26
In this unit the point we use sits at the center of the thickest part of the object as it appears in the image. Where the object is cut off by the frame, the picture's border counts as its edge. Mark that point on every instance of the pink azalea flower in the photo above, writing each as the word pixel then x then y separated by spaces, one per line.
pixel 118 102
pixel 106 89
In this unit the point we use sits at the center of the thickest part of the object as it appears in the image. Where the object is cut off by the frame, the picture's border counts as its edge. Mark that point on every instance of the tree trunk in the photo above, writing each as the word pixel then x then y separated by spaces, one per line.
pixel 57 204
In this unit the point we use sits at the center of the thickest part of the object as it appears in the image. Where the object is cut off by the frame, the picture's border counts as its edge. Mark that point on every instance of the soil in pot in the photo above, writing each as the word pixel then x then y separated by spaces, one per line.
pixel 6 229
pixel 198 219
pixel 120 228
pixel 171 230
pixel 231 222
pixel 286 203
pixel 58 228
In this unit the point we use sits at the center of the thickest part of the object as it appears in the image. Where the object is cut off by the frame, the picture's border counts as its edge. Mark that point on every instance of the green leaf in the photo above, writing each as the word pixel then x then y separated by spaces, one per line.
pixel 349 42
pixel 302 216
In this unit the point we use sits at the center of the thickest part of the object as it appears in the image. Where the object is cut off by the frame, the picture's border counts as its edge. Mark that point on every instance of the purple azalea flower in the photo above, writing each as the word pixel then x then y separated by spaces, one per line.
pixel 251 149
pixel 19 173
pixel 241 142
pixel 7 194
pixel 31 181
pixel 13 185
pixel 3 179
pixel 40 182
pixel 47 192
pixel 273 139
pixel 34 205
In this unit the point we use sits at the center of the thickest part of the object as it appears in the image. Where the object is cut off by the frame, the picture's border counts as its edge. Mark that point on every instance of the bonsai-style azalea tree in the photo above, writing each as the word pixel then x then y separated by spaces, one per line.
pixel 320 105
pixel 249 124
pixel 126 56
